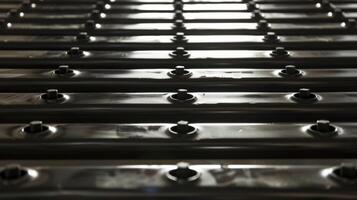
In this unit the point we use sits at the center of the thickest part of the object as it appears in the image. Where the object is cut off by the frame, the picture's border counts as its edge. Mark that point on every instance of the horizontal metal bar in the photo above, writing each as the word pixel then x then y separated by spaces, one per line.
pixel 150 58
pixel 169 26
pixel 104 107
pixel 40 17
pixel 273 133
pixel 164 42
pixel 275 181
pixel 110 80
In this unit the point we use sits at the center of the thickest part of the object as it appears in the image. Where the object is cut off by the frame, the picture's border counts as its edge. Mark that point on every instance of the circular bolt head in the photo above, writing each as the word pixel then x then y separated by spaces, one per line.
pixel 178 15
pixel 100 5
pixel 256 14
pixel 179 25
pixel 304 96
pixel 323 129
pixel 53 96
pixel 90 24
pixel 351 23
pixel 178 6
pixel 180 38
pixel 263 25
pixel 183 173
pixel 36 127
pixel 346 173
pixel 251 6
pixel 338 13
pixel 75 52
pixel 95 14
pixel 64 70
pixel 182 96
pixel 290 71
pixel 279 52
pixel 13 13
pixel 83 37
pixel 180 72
pixel 13 174
pixel 182 129
pixel 180 52
pixel 271 37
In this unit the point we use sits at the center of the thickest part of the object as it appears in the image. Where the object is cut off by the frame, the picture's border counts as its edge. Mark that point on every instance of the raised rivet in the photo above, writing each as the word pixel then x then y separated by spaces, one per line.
pixel 338 13
pixel 351 23
pixel 180 52
pixel 64 70
pixel 180 37
pixel 182 128
pixel 90 24
pixel 95 14
pixel 36 129
pixel 251 6
pixel 304 96
pixel 271 37
pixel 53 96
pixel 323 128
pixel 183 173
pixel 178 6
pixel 256 14
pixel 290 71
pixel 346 173
pixel 83 37
pixel 178 15
pixel 13 13
pixel 279 52
pixel 75 52
pixel 179 25
pixel 182 96
pixel 14 174
pixel 263 25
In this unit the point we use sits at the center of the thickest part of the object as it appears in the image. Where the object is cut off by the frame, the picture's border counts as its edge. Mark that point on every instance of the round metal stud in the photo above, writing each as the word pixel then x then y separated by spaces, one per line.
pixel 64 70
pixel 323 129
pixel 178 6
pixel 338 13
pixel 271 37
pixel 95 14
pixel 180 72
pixel 182 96
pixel 75 52
pixel 83 37
pixel 180 38
pixel 90 24
pixel 14 175
pixel 182 129
pixel 180 52
pixel 178 15
pixel 263 25
pixel 100 5
pixel 36 129
pixel 290 71
pixel 13 13
pixel 256 14
pixel 251 6
pixel 53 96
pixel 179 25
pixel 346 173
pixel 279 52
pixel 3 24
pixel 183 174
pixel 350 23
pixel 304 96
